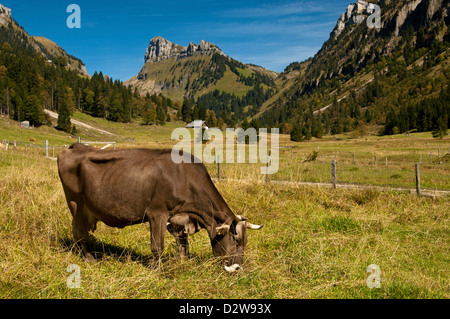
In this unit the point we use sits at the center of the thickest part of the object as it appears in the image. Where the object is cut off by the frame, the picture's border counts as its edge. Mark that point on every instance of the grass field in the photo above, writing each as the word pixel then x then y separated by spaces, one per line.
pixel 316 243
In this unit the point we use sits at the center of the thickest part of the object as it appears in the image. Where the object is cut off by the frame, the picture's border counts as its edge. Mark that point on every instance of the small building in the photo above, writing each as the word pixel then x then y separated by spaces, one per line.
pixel 25 124
pixel 197 124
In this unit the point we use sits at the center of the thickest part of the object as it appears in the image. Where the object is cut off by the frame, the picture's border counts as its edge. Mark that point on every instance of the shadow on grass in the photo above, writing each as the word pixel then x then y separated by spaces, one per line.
pixel 101 250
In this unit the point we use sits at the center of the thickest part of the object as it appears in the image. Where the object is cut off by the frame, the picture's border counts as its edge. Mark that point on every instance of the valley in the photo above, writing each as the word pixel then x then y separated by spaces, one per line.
pixel 358 122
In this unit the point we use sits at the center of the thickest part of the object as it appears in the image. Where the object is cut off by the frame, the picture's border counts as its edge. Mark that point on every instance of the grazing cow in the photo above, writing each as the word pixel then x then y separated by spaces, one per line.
pixel 127 187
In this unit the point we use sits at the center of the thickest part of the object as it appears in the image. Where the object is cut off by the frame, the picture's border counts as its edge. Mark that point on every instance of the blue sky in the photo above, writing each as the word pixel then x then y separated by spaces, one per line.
pixel 114 35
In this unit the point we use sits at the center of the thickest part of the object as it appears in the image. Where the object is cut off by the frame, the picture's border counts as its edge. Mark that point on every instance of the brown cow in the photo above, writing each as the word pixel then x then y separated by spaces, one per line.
pixel 127 187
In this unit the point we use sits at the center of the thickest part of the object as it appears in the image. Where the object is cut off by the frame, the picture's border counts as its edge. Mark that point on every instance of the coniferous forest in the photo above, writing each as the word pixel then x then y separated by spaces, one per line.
pixel 403 91
pixel 29 82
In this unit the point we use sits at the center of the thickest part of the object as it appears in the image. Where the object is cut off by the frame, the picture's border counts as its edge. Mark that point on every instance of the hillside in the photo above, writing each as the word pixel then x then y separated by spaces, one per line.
pixel 388 79
pixel 55 50
pixel 13 33
pixel 366 76
pixel 206 75
pixel 36 75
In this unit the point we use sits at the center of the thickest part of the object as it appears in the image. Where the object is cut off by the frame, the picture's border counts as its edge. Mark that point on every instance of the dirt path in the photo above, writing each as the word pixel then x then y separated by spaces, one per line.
pixel 326 107
pixel 76 122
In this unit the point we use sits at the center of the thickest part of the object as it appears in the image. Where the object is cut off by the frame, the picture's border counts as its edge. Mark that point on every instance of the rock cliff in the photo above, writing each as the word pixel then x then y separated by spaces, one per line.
pixel 358 12
pixel 161 49
pixel 5 14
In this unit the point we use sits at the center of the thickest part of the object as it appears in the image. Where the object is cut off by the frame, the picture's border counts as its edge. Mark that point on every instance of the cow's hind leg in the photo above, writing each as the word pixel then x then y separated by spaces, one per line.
pixel 80 228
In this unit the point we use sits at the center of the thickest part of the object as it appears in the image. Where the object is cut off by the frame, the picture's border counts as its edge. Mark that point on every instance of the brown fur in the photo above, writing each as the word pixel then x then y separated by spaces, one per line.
pixel 127 187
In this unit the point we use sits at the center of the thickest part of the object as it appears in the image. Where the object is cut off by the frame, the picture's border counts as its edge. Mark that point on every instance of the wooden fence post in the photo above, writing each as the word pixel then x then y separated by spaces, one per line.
pixel 418 180
pixel 267 167
pixel 218 166
pixel 354 159
pixel 333 173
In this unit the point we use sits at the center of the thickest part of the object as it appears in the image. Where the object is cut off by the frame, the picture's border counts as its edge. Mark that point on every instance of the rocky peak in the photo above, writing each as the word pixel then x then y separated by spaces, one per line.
pixel 356 13
pixel 5 14
pixel 161 49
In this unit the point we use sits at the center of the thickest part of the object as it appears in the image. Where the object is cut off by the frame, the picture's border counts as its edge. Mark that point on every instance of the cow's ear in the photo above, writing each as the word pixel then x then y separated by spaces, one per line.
pixel 222 230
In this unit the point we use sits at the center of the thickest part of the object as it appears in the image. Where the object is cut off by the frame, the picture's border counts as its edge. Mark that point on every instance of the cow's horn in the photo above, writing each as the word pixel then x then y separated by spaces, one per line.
pixel 251 226
pixel 232 268
pixel 241 218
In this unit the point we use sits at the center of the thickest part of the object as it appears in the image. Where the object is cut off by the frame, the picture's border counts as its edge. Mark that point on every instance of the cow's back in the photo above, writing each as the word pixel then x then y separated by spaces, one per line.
pixel 117 187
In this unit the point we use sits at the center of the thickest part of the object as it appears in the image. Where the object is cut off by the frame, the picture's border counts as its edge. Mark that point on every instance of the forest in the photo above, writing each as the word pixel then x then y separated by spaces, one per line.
pixel 402 96
pixel 30 82
pixel 408 91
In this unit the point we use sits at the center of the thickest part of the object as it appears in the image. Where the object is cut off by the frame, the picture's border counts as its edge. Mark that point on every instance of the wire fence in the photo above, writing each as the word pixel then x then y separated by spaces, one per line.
pixel 46 150
pixel 385 168
pixel 388 169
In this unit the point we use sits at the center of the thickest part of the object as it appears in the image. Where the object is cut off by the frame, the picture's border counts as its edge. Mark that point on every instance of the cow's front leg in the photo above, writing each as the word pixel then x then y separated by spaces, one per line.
pixel 157 229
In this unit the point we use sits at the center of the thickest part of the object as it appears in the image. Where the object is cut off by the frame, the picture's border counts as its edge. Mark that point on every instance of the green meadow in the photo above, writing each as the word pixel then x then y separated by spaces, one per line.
pixel 317 242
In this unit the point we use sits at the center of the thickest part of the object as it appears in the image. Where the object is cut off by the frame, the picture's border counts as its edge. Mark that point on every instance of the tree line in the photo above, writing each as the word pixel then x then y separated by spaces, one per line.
pixel 30 83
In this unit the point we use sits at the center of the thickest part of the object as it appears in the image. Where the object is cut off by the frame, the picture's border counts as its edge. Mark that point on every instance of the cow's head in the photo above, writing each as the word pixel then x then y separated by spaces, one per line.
pixel 230 240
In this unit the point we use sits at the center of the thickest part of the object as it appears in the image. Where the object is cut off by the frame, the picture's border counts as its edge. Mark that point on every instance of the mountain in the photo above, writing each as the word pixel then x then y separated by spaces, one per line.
pixel 161 49
pixel 51 50
pixel 12 32
pixel 37 74
pixel 204 74
pixel 364 76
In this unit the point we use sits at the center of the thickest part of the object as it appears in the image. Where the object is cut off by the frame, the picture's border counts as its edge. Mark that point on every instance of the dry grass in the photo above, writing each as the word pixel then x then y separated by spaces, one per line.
pixel 316 243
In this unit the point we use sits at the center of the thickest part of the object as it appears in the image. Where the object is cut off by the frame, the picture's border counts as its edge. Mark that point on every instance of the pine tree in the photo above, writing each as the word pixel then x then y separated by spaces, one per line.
pixel 160 115
pixel 441 128
pixel 245 125
pixel 33 111
pixel 297 133
pixel 64 115
pixel 186 111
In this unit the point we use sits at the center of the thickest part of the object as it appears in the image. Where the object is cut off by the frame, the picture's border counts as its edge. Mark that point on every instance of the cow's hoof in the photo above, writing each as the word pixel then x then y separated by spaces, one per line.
pixel 89 258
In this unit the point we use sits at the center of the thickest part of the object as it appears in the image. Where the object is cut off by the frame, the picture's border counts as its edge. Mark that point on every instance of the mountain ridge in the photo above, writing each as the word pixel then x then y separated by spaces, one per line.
pixel 160 49
pixel 205 74
pixel 363 75
pixel 44 46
